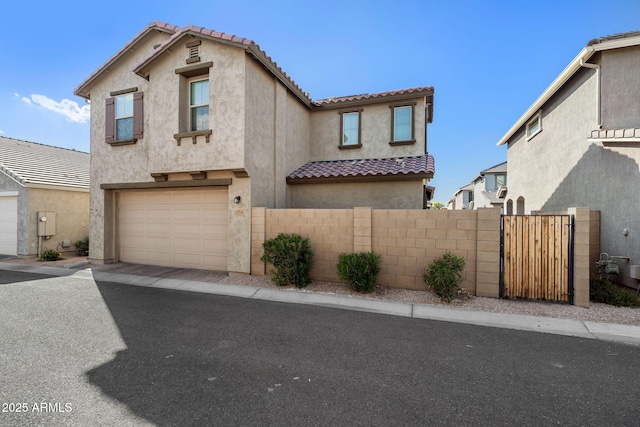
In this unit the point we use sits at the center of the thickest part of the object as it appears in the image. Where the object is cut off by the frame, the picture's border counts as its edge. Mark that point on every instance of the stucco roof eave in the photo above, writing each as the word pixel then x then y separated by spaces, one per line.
pixel 83 88
pixel 596 45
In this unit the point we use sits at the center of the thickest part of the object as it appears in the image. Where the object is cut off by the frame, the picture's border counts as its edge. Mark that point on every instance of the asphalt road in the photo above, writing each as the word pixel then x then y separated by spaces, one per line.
pixel 77 352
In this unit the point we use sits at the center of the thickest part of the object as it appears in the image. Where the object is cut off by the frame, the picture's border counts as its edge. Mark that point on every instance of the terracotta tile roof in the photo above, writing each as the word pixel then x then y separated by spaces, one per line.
pixel 178 32
pixel 375 96
pixel 154 26
pixel 32 163
pixel 398 168
pixel 248 44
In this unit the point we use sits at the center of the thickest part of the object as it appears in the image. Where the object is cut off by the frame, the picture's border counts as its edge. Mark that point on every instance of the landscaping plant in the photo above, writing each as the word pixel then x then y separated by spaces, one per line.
pixel 444 275
pixel 359 270
pixel 82 246
pixel 50 255
pixel 292 256
pixel 605 291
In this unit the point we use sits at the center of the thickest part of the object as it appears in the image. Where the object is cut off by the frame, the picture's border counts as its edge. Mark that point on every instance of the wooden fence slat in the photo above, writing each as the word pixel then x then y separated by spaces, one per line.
pixel 536 257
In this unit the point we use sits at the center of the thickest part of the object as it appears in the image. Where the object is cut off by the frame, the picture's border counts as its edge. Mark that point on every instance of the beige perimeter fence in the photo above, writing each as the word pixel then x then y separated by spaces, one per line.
pixel 409 240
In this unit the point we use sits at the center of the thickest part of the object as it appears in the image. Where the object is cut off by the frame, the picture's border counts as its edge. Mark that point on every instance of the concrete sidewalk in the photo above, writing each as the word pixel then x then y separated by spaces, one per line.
pixel 626 334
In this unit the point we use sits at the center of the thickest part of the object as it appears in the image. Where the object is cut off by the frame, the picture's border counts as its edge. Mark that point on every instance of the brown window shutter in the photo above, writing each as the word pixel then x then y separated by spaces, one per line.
pixel 110 120
pixel 138 115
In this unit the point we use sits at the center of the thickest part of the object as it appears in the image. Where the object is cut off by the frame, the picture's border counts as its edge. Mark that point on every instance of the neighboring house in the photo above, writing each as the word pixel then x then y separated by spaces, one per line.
pixel 484 191
pixel 462 199
pixel 191 128
pixel 44 197
pixel 578 145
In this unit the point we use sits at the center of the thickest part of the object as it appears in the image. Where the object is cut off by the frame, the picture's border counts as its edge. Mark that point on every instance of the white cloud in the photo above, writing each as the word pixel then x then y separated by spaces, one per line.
pixel 1 132
pixel 70 109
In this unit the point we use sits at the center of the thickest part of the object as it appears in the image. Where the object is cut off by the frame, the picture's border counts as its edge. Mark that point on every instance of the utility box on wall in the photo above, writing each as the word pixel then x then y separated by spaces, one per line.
pixel 46 224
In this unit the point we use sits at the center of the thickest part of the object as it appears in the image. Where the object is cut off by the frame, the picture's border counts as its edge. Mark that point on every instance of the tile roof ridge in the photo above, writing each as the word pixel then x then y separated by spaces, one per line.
pixel 44 145
pixel 150 27
pixel 374 95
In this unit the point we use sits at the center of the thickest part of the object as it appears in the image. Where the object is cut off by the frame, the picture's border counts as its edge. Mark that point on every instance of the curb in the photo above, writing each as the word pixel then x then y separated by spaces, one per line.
pixel 627 334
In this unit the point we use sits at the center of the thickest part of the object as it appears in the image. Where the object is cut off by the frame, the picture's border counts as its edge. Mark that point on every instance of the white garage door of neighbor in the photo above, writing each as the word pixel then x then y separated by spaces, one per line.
pixel 8 225
pixel 177 228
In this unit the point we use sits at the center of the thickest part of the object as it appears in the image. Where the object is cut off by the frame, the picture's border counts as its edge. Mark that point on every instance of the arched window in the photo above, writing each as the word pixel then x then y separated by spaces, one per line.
pixel 509 207
pixel 520 206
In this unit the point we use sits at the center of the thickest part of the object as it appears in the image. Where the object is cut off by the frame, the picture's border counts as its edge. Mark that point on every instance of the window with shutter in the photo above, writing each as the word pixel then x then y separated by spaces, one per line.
pixel 124 117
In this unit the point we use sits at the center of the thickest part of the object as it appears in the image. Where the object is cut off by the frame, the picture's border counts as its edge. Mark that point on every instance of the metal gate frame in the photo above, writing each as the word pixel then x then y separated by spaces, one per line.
pixel 535 251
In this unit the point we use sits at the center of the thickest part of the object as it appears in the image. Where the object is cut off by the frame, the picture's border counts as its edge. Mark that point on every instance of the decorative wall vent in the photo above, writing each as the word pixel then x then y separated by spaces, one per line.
pixel 194 51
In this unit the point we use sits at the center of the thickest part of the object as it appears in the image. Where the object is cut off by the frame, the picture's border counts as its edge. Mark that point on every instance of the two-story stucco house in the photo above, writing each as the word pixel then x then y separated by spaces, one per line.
pixel 578 144
pixel 484 191
pixel 191 128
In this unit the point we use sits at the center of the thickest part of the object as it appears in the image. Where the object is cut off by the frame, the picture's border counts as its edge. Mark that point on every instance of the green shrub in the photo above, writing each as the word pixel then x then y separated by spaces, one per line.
pixel 82 246
pixel 605 291
pixel 292 256
pixel 359 270
pixel 444 275
pixel 50 255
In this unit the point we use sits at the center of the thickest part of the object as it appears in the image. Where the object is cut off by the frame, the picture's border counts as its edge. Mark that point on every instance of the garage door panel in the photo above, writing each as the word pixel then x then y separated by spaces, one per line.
pixel 159 214
pixel 9 225
pixel 190 229
pixel 181 228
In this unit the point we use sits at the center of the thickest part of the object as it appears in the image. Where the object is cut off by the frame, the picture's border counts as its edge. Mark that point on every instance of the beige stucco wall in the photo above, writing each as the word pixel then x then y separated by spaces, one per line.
pixel 109 164
pixel 379 195
pixel 226 111
pixel 277 135
pixel 376 133
pixel 620 88
pixel 71 210
pixel 560 167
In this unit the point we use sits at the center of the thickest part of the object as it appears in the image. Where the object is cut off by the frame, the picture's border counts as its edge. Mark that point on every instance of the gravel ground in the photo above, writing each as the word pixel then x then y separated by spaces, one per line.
pixel 596 313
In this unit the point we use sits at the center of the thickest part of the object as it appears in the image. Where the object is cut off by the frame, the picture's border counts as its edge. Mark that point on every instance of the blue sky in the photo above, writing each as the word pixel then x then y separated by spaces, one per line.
pixel 488 60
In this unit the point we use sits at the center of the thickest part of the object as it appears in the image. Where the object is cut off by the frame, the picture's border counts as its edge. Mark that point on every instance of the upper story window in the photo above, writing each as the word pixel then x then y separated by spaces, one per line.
pixel 534 126
pixel 350 129
pixel 501 180
pixel 193 115
pixel 124 117
pixel 199 104
pixel 402 124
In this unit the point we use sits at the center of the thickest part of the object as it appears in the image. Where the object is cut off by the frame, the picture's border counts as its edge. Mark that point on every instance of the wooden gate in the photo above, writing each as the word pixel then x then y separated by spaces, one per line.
pixel 536 254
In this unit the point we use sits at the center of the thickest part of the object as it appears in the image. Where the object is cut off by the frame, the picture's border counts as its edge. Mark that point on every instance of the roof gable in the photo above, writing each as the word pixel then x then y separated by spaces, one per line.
pixel 83 88
pixel 253 49
pixel 613 41
pixel 30 163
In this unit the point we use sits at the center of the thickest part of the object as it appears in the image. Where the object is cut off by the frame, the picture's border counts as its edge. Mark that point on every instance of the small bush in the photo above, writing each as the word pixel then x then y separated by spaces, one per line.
pixel 444 275
pixel 359 270
pixel 605 291
pixel 82 246
pixel 292 256
pixel 50 255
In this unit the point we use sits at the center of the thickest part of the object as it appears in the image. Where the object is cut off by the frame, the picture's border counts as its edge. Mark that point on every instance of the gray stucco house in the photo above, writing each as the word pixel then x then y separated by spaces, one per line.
pixel 486 190
pixel 578 145
pixel 192 128
pixel 44 197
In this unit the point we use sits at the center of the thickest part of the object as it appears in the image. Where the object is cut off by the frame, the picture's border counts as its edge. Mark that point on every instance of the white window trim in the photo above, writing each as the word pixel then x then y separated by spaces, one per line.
pixel 119 118
pixel 537 117
pixel 193 107
pixel 358 142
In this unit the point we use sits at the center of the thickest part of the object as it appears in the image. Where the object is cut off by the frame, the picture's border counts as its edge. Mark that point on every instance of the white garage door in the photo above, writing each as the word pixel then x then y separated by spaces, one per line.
pixel 178 228
pixel 8 225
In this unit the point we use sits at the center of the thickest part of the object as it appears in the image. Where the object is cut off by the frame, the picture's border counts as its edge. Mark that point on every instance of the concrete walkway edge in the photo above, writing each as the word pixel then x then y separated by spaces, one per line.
pixel 627 334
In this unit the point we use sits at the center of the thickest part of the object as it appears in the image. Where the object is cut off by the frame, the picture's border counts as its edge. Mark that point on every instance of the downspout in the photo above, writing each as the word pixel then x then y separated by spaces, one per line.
pixel 598 94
